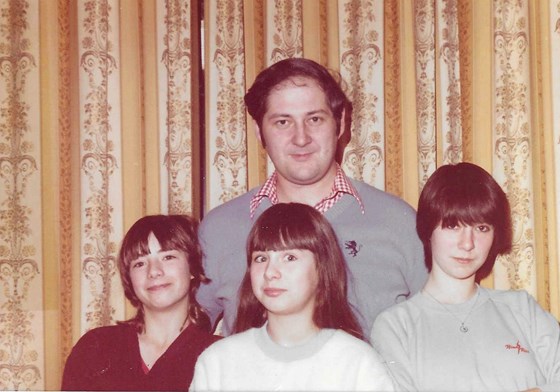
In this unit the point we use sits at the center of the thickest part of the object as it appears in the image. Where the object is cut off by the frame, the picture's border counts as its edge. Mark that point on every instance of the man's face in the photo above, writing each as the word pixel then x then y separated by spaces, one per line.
pixel 300 133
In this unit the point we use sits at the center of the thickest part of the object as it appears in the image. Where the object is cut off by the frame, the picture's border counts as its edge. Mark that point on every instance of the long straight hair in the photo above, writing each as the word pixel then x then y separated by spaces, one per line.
pixel 299 226
pixel 173 232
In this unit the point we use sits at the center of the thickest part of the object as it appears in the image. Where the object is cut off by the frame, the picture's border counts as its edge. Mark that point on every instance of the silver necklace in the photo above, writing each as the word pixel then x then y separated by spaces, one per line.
pixel 463 328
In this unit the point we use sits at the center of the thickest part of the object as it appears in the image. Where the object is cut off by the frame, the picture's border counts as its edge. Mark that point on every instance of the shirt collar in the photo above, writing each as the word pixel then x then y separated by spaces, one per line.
pixel 342 185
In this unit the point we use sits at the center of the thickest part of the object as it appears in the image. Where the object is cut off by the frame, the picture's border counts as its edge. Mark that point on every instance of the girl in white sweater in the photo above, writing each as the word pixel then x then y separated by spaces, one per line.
pixel 455 335
pixel 295 329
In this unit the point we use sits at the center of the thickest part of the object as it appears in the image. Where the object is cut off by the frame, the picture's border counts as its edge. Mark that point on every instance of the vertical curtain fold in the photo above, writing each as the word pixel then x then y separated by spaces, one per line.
pixel 513 156
pixel 101 226
pixel 21 267
pixel 225 131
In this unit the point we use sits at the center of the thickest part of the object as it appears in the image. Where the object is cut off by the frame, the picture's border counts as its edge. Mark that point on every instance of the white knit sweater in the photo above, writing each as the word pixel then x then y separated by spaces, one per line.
pixel 250 361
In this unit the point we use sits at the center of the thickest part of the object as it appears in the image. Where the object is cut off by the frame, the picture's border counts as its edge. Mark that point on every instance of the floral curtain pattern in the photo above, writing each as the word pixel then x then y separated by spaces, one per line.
pixel 175 100
pixel 512 136
pixel 361 48
pixel 226 110
pixel 21 300
pixel 102 121
pixel 100 162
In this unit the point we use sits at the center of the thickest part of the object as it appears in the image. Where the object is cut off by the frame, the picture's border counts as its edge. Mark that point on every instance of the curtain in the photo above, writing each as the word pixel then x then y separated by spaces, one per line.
pixel 114 109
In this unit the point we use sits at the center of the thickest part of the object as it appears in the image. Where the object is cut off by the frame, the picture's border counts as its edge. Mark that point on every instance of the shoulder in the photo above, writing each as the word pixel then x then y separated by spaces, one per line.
pixel 371 192
pixel 236 213
pixel 347 340
pixel 239 206
pixel 403 313
pixel 196 336
pixel 232 343
pixel 512 298
pixel 108 335
pixel 523 308
pixel 348 346
pixel 519 302
pixel 99 345
pixel 381 200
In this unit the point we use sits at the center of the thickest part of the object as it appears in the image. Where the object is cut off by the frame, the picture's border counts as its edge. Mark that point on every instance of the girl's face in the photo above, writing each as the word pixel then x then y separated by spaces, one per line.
pixel 285 282
pixel 459 251
pixel 161 279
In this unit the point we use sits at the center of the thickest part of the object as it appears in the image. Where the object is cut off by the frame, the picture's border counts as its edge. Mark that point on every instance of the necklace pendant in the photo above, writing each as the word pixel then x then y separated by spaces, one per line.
pixel 463 328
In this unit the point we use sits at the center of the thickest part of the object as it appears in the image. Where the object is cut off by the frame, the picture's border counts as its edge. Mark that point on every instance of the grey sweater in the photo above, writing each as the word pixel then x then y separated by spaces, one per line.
pixel 512 344
pixel 382 250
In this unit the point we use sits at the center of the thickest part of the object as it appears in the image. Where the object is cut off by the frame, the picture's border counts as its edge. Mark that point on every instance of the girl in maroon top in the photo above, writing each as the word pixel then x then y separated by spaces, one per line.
pixel 161 270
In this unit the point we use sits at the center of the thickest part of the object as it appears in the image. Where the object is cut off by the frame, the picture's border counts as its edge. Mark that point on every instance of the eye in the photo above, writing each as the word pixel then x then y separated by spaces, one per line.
pixel 259 258
pixel 451 226
pixel 169 257
pixel 315 120
pixel 290 257
pixel 282 123
pixel 137 264
pixel 484 228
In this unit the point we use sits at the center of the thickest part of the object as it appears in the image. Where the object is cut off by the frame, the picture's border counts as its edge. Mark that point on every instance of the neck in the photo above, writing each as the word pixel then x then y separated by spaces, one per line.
pixel 164 327
pixel 290 330
pixel 309 194
pixel 449 291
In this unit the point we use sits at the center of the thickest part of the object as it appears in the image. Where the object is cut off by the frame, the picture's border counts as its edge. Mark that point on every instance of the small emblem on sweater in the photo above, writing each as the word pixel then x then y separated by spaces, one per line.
pixel 517 347
pixel 352 247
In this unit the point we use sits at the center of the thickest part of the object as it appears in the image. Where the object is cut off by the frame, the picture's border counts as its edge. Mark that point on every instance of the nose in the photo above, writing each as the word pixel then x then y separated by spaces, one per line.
pixel 154 268
pixel 466 239
pixel 271 271
pixel 301 134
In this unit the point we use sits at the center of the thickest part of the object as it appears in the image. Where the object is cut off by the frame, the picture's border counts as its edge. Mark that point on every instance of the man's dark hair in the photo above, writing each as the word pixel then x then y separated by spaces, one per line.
pixel 290 69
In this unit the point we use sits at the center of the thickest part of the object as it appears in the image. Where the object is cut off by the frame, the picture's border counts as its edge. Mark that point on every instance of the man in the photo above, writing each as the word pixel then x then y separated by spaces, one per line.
pixel 299 111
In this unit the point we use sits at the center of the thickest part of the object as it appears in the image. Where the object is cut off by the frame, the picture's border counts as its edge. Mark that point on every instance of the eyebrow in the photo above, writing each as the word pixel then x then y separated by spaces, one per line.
pixel 310 113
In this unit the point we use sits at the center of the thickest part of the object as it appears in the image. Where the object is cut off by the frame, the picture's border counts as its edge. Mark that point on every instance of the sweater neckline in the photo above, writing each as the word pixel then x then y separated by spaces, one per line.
pixel 190 329
pixel 460 308
pixel 288 354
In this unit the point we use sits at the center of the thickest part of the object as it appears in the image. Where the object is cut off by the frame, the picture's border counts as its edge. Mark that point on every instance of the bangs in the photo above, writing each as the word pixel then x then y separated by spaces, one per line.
pixel 281 236
pixel 137 240
pixel 466 207
pixel 135 245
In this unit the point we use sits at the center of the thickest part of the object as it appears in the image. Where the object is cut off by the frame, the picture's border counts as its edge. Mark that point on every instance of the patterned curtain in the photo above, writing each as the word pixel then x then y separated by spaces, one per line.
pixel 113 109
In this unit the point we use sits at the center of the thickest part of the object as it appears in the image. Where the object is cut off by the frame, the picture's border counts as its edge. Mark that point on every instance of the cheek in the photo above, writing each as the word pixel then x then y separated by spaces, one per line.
pixel 134 275
pixel 183 272
pixel 436 245
pixel 135 279
pixel 486 245
pixel 256 276
pixel 311 280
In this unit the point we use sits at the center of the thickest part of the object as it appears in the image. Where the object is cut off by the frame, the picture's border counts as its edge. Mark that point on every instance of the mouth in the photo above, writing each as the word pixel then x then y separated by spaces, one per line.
pixel 158 287
pixel 273 292
pixel 301 156
pixel 462 260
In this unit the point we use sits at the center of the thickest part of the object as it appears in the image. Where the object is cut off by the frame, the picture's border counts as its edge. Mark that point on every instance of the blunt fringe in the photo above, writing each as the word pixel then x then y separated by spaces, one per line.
pixel 173 232
pixel 299 226
pixel 464 193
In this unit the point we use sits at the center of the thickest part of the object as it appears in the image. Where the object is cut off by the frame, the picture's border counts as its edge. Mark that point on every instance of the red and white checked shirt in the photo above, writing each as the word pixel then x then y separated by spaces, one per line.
pixel 341 186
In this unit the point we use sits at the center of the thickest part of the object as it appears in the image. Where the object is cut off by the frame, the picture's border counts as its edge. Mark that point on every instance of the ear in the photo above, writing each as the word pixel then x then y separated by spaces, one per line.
pixel 258 133
pixel 342 129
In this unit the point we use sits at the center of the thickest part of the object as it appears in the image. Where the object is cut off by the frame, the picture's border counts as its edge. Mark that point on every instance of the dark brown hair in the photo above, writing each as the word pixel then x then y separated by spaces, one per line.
pixel 299 226
pixel 464 194
pixel 256 98
pixel 173 232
